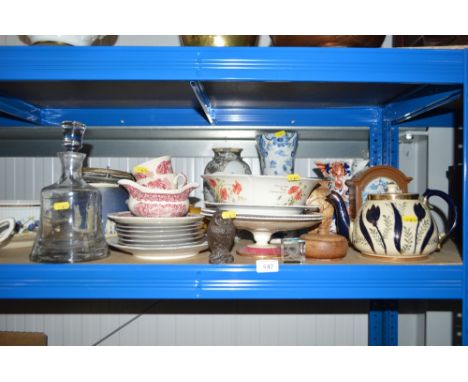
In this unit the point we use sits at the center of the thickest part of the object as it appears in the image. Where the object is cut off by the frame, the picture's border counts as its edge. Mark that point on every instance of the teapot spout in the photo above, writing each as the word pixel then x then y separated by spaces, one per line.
pixel 343 224
pixel 131 186
pixel 187 189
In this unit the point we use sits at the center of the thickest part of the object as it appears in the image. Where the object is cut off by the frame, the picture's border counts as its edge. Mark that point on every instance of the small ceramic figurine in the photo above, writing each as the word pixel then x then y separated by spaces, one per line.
pixel 319 242
pixel 318 197
pixel 221 233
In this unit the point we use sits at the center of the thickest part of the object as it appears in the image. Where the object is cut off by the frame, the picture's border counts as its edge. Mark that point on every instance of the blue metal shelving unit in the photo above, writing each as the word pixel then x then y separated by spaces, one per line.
pixel 382 89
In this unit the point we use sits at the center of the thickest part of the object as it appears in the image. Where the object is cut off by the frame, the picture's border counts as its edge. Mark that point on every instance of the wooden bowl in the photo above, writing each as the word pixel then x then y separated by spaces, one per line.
pixel 325 247
pixel 366 41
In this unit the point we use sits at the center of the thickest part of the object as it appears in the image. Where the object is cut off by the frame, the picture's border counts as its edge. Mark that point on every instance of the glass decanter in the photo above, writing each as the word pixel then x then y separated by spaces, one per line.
pixel 70 229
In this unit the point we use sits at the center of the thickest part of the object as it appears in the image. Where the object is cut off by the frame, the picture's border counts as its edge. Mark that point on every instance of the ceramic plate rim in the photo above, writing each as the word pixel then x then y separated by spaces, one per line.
pixel 186 234
pixel 259 206
pixel 300 217
pixel 153 221
pixel 152 254
pixel 171 247
pixel 157 228
pixel 163 242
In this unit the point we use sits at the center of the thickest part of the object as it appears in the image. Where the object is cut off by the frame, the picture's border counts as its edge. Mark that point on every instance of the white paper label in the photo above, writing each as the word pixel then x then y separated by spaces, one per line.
pixel 265 266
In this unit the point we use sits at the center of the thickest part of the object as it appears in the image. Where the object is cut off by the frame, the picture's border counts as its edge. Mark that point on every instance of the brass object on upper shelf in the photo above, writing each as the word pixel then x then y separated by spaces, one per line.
pixel 365 41
pixel 400 41
pixel 219 40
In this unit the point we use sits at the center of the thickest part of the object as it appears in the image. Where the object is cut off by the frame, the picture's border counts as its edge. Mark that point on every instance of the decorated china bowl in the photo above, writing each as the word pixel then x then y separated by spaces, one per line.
pixel 260 190
pixel 153 168
pixel 152 202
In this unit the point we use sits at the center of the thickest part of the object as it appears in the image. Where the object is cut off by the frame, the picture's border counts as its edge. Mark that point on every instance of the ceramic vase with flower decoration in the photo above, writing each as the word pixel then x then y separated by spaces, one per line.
pixel 226 160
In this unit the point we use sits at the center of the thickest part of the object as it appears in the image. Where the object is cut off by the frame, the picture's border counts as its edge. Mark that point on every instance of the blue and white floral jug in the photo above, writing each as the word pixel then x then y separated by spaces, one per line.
pixel 277 152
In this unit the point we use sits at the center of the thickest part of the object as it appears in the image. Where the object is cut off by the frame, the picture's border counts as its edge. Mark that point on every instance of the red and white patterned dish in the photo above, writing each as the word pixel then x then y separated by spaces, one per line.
pixel 151 202
pixel 153 167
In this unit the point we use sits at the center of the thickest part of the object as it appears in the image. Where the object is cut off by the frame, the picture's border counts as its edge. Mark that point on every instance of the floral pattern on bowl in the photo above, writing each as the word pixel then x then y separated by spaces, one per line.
pixel 224 192
pixel 259 190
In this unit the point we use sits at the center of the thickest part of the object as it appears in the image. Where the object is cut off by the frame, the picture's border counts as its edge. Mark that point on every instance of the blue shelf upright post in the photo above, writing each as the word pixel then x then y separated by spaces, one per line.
pixel 383 314
pixel 465 209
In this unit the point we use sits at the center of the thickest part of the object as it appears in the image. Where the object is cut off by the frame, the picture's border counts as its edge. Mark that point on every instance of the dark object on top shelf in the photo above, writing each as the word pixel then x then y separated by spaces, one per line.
pixel 219 40
pixel 433 40
pixel 366 41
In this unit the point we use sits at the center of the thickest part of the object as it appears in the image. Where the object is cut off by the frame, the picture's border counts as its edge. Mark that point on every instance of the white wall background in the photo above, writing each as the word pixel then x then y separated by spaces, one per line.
pixel 213 323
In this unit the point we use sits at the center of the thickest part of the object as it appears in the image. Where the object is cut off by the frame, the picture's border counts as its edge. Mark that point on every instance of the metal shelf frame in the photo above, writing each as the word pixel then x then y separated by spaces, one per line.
pixel 433 93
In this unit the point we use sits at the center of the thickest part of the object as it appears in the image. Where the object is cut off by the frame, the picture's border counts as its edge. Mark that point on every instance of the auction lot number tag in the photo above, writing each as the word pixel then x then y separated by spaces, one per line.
pixel 266 266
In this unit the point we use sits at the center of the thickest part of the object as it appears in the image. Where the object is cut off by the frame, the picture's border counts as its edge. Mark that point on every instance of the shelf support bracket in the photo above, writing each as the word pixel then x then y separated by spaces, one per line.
pixel 204 101
pixel 402 111
pixel 20 109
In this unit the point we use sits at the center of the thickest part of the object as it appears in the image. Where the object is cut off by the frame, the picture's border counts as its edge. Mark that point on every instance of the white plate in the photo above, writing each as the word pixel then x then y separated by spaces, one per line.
pixel 162 244
pixel 157 236
pixel 261 210
pixel 159 242
pixel 315 216
pixel 167 253
pixel 159 229
pixel 127 218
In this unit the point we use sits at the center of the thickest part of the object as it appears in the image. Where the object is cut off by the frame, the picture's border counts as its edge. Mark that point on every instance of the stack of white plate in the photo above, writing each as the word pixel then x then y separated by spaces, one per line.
pixel 158 238
pixel 263 210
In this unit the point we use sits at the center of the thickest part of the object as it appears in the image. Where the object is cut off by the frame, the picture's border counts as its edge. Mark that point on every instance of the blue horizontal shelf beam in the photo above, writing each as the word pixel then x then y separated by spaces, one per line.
pixel 237 64
pixel 355 117
pixel 20 110
pixel 402 111
pixel 444 119
pixel 246 117
pixel 91 281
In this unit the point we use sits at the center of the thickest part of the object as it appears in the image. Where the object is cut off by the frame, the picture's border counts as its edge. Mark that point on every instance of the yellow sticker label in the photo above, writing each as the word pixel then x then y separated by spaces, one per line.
pixel 280 134
pixel 194 210
pixel 140 170
pixel 228 214
pixel 59 206
pixel 293 177
pixel 410 219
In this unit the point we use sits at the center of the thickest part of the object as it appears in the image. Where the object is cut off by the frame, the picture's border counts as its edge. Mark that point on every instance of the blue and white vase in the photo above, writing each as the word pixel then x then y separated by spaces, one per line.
pixel 277 152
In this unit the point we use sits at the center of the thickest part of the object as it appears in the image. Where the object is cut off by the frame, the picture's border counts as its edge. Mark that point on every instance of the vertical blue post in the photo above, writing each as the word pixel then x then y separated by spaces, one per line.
pixel 391 144
pixel 383 323
pixel 383 315
pixel 464 206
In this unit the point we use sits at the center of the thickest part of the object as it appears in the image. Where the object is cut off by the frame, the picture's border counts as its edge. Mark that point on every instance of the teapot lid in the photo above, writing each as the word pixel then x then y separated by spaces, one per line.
pixel 393 193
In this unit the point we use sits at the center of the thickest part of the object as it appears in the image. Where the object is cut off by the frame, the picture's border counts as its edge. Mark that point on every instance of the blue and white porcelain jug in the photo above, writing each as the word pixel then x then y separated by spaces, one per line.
pixel 277 152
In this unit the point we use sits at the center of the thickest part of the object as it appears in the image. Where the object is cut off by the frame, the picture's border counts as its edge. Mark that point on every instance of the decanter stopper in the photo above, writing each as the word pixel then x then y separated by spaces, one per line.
pixel 73 132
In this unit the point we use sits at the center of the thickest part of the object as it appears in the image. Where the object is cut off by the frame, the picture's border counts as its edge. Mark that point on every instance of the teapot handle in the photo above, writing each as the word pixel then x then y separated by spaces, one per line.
pixel 452 213
pixel 10 224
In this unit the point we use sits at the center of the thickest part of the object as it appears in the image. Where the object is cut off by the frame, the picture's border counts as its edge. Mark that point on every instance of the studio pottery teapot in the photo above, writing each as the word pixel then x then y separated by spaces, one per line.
pixel 394 224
